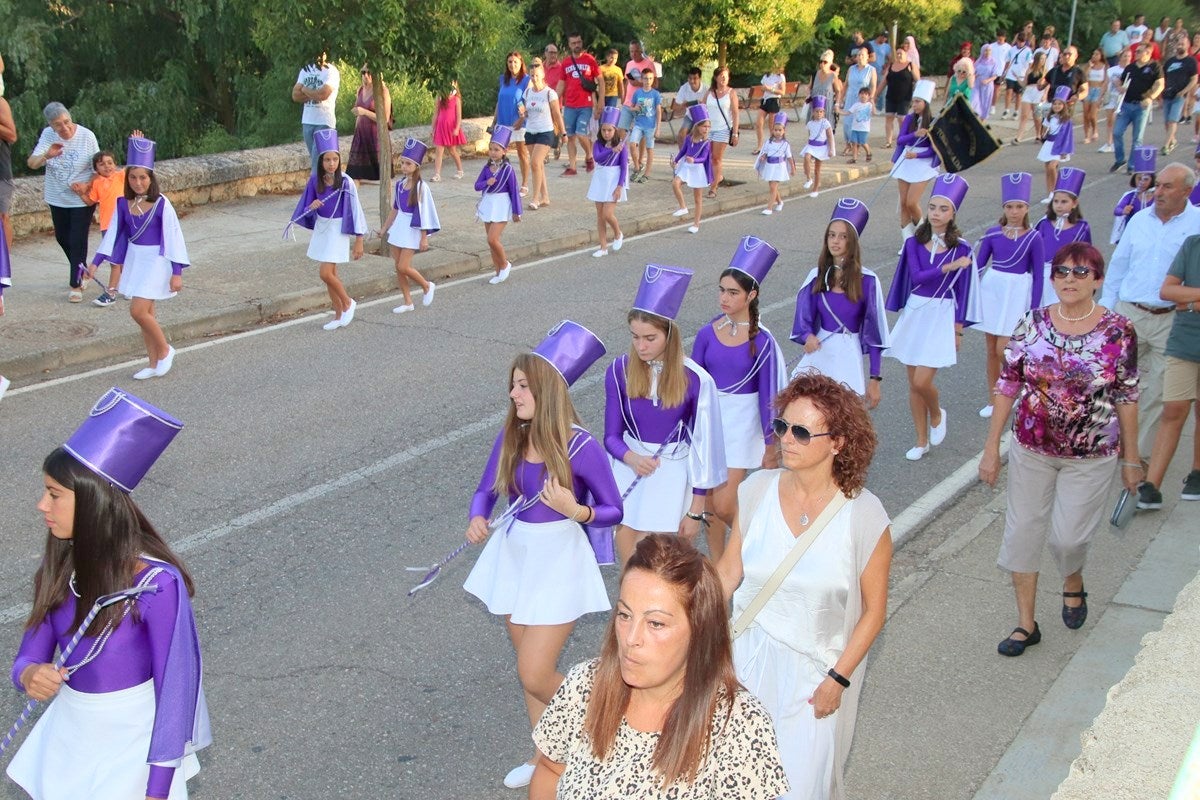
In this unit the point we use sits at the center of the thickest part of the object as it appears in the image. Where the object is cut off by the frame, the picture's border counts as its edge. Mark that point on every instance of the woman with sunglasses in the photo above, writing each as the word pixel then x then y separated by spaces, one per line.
pixel 804 653
pixel 1070 370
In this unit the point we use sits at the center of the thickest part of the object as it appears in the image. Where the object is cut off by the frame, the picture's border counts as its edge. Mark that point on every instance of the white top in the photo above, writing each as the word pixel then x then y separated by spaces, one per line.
pixel 1017 69
pixel 1002 52
pixel 538 118
pixel 1114 78
pixel 776 81
pixel 717 107
pixel 687 95
pixel 321 113
pixel 860 114
pixel 1151 244
pixel 1051 56
pixel 73 165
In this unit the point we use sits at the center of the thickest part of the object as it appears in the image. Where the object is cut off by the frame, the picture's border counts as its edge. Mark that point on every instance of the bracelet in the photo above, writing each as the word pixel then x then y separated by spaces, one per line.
pixel 833 673
pixel 877 378
pixel 580 510
pixel 698 517
pixel 1131 464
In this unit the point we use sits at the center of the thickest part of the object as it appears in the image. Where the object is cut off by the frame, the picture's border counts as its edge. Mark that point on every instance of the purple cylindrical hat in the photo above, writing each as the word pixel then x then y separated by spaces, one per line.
pixel 1070 180
pixel 1063 93
pixel 140 152
pixel 325 141
pixel 853 212
pixel 1144 159
pixel 697 114
pixel 780 118
pixel 754 257
pixel 662 289
pixel 414 150
pixel 571 349
pixel 818 102
pixel 611 115
pixel 1016 187
pixel 501 135
pixel 951 186
pixel 122 438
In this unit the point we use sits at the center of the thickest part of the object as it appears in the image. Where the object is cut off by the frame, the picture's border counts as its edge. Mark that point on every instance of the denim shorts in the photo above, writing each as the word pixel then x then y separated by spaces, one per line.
pixel 1173 108
pixel 858 137
pixel 546 138
pixel 640 134
pixel 576 120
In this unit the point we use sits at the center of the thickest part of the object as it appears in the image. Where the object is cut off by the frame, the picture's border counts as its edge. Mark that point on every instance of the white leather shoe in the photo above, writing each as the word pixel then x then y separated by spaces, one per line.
pixel 347 315
pixel 332 325
pixel 599 253
pixel 937 433
pixel 427 300
pixel 145 373
pixel 693 229
pixel 503 276
pixel 916 453
pixel 519 776
pixel 402 309
pixel 986 411
pixel 681 212
pixel 618 243
pixel 165 364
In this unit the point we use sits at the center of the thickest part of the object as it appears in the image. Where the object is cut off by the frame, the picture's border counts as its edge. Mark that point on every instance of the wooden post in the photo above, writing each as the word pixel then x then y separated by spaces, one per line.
pixel 382 112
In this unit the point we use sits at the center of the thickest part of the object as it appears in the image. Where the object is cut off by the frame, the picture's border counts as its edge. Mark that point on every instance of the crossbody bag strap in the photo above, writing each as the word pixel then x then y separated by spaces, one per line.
pixel 776 580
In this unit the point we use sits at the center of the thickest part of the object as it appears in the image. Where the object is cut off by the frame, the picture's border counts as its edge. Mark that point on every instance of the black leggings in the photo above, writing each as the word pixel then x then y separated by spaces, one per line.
pixel 71 226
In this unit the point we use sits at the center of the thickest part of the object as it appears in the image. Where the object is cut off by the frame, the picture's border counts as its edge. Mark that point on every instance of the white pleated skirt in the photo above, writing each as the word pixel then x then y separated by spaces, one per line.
pixel 1005 299
pixel 692 175
pixel 539 573
pixel 329 245
pixel 1049 296
pixel 783 680
pixel 1044 155
pixel 741 428
pixel 402 233
pixel 494 208
pixel 605 181
pixel 659 501
pixel 775 172
pixel 924 335
pixel 840 357
pixel 94 746
pixel 145 273
pixel 819 152
pixel 915 170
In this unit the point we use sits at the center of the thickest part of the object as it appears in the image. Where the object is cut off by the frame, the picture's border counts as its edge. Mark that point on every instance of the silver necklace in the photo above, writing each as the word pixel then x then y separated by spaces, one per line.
pixel 733 326
pixel 804 520
pixel 1065 318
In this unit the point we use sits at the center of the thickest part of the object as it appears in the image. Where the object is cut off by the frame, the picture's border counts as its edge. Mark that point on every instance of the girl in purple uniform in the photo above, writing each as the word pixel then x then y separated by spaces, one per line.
pixel 747 365
pixel 413 219
pixel 537 570
pixel 1058 139
pixel 501 200
pixel 1063 224
pixel 1143 162
pixel 693 166
pixel 915 162
pixel 609 179
pixel 1013 285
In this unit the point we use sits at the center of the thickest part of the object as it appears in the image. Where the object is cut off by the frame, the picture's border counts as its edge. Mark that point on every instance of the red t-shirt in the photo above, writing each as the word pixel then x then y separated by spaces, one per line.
pixel 574 68
pixel 553 74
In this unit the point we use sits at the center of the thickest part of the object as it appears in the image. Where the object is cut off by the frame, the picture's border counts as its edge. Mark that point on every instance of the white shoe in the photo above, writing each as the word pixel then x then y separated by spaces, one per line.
pixel 693 229
pixel 403 309
pixel 767 212
pixel 348 314
pixel 599 253
pixel 814 194
pixel 916 453
pixel 503 276
pixel 681 212
pixel 1104 148
pixel 494 279
pixel 779 206
pixel 519 776
pixel 618 243
pixel 427 300
pixel 332 325
pixel 937 433
pixel 144 373
pixel 164 364
pixel 808 184
pixel 986 411
pixel 4 384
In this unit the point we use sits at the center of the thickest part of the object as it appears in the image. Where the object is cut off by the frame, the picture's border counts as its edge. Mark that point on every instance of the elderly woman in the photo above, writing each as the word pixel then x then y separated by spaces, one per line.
pixel 364 147
pixel 962 78
pixel 65 149
pixel 660 714
pixel 1071 371
pixel 812 531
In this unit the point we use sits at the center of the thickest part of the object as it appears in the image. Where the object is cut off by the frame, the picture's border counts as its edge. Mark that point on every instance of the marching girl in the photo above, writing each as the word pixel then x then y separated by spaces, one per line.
pixel 840 314
pixel 537 570
pixel 410 224
pixel 501 200
pixel 819 147
pixel 775 164
pixel 747 365
pixel 662 419
pixel 609 179
pixel 936 291
pixel 144 240
pixel 1013 285
pixel 1063 224
pixel 915 162
pixel 693 166
pixel 329 208
pixel 1143 162
pixel 127 710
pixel 1058 138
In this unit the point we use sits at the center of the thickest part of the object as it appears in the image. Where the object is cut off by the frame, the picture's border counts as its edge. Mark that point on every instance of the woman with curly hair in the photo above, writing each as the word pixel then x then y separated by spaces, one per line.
pixel 803 651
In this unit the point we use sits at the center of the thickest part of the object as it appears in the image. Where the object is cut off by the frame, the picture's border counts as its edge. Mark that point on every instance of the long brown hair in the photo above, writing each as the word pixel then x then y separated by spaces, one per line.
pixel 748 285
pixel 709 681
pixel 548 433
pixel 672 385
pixel 109 534
pixel 852 271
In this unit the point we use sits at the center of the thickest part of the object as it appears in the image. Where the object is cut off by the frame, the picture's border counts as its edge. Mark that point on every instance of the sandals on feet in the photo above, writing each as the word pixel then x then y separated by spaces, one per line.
pixel 1015 647
pixel 1074 618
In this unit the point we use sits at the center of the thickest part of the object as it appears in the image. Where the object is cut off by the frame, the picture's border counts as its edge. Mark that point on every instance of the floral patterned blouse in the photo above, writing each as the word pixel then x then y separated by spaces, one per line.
pixel 743 763
pixel 1069 385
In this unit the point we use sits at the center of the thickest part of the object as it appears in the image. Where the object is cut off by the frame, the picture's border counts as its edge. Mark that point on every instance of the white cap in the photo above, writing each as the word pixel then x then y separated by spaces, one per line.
pixel 924 90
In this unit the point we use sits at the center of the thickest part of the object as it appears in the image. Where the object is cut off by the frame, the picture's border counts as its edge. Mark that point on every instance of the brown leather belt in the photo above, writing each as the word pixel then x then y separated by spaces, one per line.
pixel 1153 309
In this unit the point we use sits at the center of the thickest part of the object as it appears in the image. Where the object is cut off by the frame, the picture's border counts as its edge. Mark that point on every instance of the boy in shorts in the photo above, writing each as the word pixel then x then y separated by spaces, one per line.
pixel 614 79
pixel 860 124
pixel 647 102
pixel 107 185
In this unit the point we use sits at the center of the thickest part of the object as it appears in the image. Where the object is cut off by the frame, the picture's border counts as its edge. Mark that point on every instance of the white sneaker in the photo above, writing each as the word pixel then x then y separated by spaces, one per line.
pixel 681 212
pixel 494 279
pixel 403 309
pixel 165 364
pixel 779 206
pixel 332 325
pixel 693 229
pixel 808 184
pixel 145 373
pixel 1105 148
pixel 937 433
pixel 503 276
pixel 599 253
pixel 767 212
pixel 519 776
pixel 4 384
pixel 814 194
pixel 916 453
pixel 618 243
pixel 986 411
pixel 427 300
pixel 348 314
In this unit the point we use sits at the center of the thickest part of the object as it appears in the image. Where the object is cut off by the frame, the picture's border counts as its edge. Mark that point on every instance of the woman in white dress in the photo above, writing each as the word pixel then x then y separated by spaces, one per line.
pixel 803 653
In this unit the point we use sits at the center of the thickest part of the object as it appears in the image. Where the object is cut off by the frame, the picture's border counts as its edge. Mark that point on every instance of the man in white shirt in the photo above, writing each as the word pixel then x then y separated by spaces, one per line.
pixel 1138 27
pixel 1047 47
pixel 1135 276
pixel 688 95
pixel 1014 75
pixel 317 87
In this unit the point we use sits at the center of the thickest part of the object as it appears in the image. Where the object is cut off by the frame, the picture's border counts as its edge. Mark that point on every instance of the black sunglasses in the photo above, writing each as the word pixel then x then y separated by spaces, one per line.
pixel 801 434
pixel 1062 271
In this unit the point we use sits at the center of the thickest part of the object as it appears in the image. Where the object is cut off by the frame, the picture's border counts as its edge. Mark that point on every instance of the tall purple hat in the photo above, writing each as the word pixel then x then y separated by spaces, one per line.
pixel 1070 180
pixel 325 141
pixel 697 114
pixel 611 115
pixel 140 153
pixel 571 349
pixel 122 437
pixel 951 186
pixel 1063 93
pixel 1016 187
pixel 780 118
pixel 414 150
pixel 1143 159
pixel 662 289
pixel 501 135
pixel 818 102
pixel 754 257
pixel 851 211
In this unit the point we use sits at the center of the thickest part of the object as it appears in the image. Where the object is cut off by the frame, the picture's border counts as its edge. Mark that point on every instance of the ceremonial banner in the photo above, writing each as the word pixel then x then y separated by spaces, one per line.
pixel 960 137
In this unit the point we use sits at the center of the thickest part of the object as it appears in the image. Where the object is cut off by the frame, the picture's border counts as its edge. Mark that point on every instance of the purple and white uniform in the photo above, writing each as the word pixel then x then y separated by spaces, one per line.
pixel 820 139
pixel 1014 283
pixel 746 387
pixel 149 246
pixel 773 162
pixel 1060 141
pixel 502 200
pixel 1138 200
pixel 413 215
pixel 931 303
pixel 334 224
pixel 923 166
pixel 696 174
pixel 538 566
pixel 1056 235
pixel 694 457
pixel 612 170
pixel 133 715
pixel 847 330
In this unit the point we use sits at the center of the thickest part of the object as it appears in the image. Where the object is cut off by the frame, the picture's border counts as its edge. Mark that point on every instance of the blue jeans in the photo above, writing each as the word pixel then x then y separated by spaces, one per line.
pixel 1128 114
pixel 309 130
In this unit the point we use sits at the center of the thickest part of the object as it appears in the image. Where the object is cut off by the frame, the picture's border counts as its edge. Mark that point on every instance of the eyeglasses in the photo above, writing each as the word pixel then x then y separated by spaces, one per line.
pixel 1081 272
pixel 801 434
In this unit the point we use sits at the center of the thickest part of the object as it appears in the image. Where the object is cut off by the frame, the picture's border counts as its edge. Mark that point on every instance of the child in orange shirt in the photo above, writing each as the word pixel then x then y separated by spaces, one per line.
pixel 107 185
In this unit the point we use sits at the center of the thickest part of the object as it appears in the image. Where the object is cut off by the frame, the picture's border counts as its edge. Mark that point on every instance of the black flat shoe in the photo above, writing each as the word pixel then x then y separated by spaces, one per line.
pixel 1074 618
pixel 1015 647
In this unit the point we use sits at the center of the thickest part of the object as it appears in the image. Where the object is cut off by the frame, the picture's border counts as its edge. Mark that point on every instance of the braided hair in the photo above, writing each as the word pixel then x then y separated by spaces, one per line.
pixel 748 285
